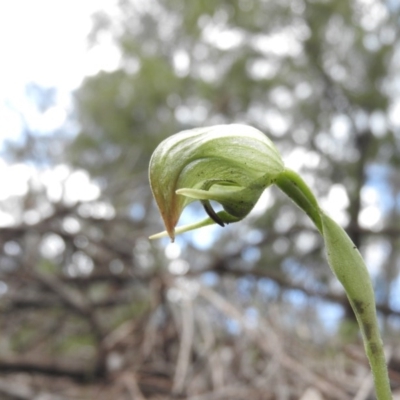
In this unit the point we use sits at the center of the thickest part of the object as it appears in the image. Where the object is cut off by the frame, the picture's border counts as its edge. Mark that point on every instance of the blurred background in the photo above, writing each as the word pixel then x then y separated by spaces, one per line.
pixel 90 308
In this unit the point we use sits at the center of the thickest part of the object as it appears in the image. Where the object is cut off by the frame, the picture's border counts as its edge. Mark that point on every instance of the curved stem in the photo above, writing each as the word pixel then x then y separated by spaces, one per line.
pixel 349 267
pixel 295 187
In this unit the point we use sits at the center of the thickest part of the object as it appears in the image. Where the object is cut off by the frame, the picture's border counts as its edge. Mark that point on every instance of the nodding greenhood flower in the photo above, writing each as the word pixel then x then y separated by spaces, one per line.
pixel 230 164
pixel 233 164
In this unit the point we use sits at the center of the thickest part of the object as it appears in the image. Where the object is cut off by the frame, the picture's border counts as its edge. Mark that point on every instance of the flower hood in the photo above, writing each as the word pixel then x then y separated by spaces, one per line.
pixel 231 164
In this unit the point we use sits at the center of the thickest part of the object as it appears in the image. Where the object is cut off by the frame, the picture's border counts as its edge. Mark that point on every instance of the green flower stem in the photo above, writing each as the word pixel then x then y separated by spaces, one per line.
pixel 349 267
pixel 294 186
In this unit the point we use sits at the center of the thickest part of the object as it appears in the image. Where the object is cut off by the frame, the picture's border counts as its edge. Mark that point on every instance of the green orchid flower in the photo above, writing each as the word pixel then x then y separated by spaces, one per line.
pixel 233 165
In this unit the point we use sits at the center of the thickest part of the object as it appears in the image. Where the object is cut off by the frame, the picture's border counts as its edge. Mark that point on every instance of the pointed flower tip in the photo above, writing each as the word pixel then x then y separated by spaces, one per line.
pixel 230 164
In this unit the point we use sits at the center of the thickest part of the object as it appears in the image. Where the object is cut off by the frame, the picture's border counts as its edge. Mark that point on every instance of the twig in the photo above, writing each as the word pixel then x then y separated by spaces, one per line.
pixel 20 391
pixel 50 368
pixel 231 392
pixel 287 362
pixel 185 346
pixel 130 383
